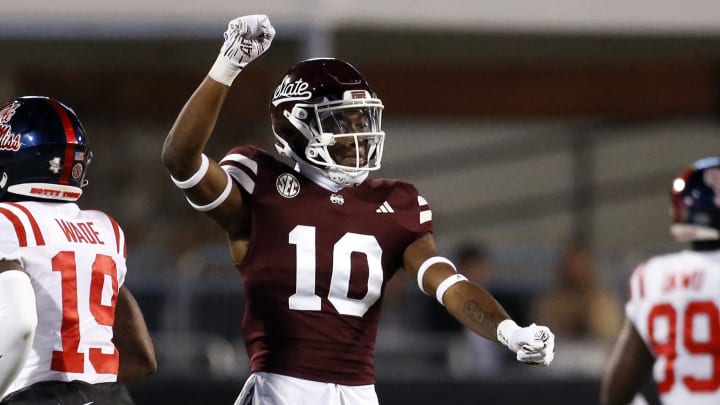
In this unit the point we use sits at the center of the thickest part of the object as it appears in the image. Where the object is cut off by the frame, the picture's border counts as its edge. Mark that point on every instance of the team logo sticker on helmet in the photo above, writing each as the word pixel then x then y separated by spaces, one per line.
pixel 8 140
pixel 77 171
pixel 295 91
pixel 54 165
pixel 287 185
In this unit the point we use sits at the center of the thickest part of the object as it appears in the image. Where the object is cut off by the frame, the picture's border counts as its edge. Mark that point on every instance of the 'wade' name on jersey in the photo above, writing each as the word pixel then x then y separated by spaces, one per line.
pixel 80 232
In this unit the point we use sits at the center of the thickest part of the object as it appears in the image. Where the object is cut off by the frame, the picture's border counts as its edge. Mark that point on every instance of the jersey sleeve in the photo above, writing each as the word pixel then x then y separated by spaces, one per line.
pixel 242 165
pixel 119 243
pixel 9 238
pixel 425 223
pixel 636 293
pixel 416 215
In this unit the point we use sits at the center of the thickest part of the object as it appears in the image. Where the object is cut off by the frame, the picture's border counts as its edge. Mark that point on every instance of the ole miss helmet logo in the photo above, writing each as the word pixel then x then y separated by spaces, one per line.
pixel 8 140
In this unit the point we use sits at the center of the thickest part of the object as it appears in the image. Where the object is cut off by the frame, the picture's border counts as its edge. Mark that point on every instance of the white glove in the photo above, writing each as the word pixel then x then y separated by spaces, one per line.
pixel 246 38
pixel 533 344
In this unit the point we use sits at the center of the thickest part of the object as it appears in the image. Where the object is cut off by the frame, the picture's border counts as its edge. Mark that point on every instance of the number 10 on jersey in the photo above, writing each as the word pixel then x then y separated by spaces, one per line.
pixel 305 298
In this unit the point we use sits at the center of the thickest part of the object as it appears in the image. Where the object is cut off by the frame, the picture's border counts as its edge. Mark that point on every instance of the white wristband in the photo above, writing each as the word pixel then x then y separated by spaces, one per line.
pixel 214 204
pixel 447 283
pixel 426 265
pixel 195 178
pixel 223 71
pixel 505 329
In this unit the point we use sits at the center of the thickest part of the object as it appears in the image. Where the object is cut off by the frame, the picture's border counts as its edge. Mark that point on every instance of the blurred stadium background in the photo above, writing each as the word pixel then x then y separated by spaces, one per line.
pixel 522 122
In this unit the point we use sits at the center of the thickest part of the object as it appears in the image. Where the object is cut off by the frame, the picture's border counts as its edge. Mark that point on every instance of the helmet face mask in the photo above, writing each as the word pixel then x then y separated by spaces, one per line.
pixel 695 198
pixel 44 151
pixel 355 126
pixel 325 114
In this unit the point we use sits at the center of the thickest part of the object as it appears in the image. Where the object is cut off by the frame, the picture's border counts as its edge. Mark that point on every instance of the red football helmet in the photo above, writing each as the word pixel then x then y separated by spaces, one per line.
pixel 324 113
pixel 695 198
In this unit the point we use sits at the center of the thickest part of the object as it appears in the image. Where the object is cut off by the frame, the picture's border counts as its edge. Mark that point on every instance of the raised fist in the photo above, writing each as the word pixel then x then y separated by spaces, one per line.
pixel 532 344
pixel 247 38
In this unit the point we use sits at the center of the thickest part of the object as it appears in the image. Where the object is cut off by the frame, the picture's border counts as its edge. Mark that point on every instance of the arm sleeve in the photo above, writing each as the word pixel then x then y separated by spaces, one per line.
pixel 9 245
pixel 18 319
pixel 636 292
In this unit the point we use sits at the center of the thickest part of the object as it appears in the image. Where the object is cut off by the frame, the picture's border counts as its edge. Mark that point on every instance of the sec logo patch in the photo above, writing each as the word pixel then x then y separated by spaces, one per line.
pixel 287 185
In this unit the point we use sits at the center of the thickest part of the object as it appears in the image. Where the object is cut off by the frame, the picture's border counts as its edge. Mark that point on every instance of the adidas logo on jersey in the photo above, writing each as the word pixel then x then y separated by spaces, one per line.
pixel 385 208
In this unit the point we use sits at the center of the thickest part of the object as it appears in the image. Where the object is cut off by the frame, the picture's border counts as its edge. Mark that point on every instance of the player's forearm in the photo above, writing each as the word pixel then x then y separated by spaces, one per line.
pixel 476 309
pixel 137 355
pixel 133 370
pixel 629 366
pixel 246 39
pixel 132 339
pixel 192 129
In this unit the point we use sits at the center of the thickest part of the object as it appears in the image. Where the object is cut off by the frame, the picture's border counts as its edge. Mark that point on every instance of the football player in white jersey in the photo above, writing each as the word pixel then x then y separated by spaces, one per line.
pixel 672 327
pixel 316 241
pixel 70 333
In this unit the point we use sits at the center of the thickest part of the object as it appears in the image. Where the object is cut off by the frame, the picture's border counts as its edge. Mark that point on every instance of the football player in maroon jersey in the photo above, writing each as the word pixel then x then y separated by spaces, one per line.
pixel 316 242
pixel 70 331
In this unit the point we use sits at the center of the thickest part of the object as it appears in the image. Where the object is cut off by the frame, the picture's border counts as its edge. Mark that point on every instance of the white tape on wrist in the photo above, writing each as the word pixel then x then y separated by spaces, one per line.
pixel 426 265
pixel 223 71
pixel 504 330
pixel 447 283
pixel 195 178
pixel 221 198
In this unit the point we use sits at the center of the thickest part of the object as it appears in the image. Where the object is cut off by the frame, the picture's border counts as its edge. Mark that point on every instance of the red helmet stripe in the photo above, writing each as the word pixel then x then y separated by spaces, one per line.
pixel 39 240
pixel 17 224
pixel 71 138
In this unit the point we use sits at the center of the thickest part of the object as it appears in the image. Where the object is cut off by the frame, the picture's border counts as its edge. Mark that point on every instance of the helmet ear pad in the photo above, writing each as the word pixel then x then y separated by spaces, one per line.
pixel 44 151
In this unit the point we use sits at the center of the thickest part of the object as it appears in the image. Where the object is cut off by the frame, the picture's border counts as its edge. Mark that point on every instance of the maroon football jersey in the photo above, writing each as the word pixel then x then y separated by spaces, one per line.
pixel 317 265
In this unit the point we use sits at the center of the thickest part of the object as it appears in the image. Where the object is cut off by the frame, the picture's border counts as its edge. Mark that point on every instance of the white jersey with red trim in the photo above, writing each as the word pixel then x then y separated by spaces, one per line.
pixel 674 304
pixel 76 261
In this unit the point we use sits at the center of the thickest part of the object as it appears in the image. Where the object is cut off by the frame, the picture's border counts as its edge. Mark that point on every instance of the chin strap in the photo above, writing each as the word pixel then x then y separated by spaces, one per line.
pixel 346 177
pixel 331 179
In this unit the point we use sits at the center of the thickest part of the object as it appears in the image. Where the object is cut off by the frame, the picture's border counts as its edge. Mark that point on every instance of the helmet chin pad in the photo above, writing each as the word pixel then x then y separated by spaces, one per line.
pixel 346 178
